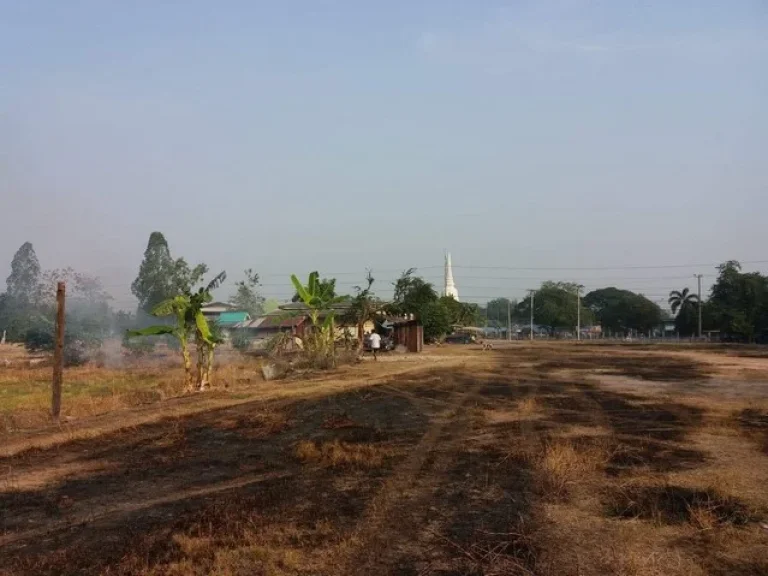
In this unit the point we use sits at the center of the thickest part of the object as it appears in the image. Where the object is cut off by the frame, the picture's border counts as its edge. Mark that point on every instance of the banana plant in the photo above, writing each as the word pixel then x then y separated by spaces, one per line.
pixel 205 339
pixel 177 307
pixel 318 297
pixel 187 310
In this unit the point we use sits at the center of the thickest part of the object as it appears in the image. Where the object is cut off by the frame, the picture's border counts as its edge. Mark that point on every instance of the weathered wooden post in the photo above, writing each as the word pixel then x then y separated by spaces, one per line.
pixel 58 353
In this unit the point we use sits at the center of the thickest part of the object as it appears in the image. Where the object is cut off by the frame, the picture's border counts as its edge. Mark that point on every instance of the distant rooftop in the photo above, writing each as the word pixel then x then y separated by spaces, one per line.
pixel 232 318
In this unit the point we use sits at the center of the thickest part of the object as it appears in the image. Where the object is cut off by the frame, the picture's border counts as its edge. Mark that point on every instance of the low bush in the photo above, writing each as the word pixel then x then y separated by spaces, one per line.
pixel 241 342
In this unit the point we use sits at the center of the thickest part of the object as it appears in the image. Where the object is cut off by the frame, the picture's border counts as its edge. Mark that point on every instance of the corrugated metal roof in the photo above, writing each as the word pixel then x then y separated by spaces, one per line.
pixel 217 307
pixel 255 323
pixel 282 321
pixel 301 307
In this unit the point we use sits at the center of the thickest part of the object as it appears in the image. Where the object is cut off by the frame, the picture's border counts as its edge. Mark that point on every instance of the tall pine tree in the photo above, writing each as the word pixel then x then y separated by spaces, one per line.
pixel 160 276
pixel 24 281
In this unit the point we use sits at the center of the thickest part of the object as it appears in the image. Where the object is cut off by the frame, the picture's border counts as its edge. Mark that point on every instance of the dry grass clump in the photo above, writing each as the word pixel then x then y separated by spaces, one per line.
pixel 670 504
pixel 339 454
pixel 528 406
pixel 563 463
pixel 242 559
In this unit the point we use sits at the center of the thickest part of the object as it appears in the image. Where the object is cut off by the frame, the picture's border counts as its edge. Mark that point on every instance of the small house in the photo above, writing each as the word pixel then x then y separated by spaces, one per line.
pixel 213 310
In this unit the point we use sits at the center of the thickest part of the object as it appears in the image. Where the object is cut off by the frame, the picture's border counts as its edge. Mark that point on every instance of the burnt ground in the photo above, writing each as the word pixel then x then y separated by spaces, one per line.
pixel 442 471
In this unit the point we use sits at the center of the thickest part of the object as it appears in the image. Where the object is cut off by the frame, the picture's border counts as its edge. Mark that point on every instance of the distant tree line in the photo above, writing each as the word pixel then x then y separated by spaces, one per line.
pixel 28 307
pixel 736 307
pixel 28 304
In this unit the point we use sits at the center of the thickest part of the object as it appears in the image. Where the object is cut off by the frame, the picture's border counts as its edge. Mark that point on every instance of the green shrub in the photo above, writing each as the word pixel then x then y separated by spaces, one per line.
pixel 77 346
pixel 241 341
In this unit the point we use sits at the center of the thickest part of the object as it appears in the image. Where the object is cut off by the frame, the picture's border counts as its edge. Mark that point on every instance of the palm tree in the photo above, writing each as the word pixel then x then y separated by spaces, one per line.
pixel 682 299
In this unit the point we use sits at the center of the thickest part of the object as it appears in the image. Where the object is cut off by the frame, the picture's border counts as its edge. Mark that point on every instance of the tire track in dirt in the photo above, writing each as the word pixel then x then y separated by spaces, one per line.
pixel 394 515
pixel 487 486
pixel 462 479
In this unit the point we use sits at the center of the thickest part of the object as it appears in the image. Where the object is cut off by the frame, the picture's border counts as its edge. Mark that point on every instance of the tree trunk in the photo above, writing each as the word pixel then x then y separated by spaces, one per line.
pixel 360 327
pixel 209 365
pixel 187 364
pixel 200 364
pixel 332 336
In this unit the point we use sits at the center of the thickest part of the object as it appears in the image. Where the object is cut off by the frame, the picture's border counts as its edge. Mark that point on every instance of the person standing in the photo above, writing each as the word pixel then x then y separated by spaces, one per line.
pixel 375 341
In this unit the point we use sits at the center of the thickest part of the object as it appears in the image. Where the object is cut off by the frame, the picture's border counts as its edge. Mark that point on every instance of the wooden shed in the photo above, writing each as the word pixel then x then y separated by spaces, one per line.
pixel 409 333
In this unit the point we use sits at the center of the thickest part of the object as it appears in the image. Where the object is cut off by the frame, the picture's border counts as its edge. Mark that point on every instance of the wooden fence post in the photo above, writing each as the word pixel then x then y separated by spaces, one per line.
pixel 58 353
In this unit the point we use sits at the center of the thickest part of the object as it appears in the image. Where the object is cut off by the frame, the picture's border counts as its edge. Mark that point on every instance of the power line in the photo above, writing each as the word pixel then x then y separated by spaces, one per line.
pixel 541 268
pixel 597 268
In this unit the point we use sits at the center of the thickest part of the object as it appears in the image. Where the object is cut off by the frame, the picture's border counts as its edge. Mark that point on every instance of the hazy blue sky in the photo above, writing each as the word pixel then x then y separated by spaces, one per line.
pixel 286 136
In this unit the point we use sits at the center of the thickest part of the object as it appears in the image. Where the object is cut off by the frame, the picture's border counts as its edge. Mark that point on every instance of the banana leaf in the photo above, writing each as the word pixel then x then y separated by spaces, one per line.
pixel 152 331
pixel 203 328
pixel 216 282
pixel 303 293
pixel 171 306
pixel 313 283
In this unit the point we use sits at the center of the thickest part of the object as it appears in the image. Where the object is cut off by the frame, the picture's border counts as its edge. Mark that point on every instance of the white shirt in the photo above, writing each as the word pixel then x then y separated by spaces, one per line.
pixel 375 340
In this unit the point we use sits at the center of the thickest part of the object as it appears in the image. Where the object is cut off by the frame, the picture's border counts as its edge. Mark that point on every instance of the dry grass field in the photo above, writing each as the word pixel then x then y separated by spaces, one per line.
pixel 546 459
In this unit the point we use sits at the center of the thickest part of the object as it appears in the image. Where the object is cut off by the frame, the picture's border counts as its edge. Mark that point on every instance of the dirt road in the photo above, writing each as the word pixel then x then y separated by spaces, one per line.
pixel 519 461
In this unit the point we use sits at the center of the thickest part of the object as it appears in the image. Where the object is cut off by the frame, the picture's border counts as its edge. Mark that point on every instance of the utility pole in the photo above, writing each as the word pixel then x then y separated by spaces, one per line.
pixel 578 311
pixel 698 277
pixel 509 320
pixel 58 353
pixel 533 292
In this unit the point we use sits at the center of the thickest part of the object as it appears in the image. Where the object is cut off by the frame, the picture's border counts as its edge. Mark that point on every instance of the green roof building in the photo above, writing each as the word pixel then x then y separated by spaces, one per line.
pixel 229 319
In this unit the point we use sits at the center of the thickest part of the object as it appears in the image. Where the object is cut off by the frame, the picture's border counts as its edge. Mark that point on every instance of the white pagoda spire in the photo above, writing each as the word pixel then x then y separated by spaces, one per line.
pixel 450 286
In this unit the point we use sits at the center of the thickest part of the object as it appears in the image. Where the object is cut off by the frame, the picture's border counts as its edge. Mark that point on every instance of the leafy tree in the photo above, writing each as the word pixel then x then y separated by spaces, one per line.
pixel 241 341
pixel 16 319
pixel 23 284
pixel 31 308
pixel 161 277
pixel 496 311
pixel 364 306
pixel 86 300
pixel 270 305
pixel 555 306
pixel 80 338
pixel 684 305
pixel 80 286
pixel 18 303
pixel 739 302
pixel 621 310
pixel 247 297
pixel 461 313
pixel 436 319
pixel 414 295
